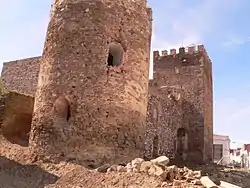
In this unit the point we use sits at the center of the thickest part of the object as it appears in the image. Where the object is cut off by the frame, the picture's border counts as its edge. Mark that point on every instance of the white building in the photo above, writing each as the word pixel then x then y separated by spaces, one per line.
pixel 241 155
pixel 221 149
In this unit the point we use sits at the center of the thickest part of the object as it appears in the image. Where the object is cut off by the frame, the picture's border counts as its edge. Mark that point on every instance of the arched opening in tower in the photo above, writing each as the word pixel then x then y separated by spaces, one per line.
pixel 61 112
pixel 182 143
pixel 155 147
pixel 115 56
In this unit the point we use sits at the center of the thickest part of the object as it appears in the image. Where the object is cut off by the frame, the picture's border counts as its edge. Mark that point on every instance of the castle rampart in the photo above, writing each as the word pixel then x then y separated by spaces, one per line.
pixel 21 75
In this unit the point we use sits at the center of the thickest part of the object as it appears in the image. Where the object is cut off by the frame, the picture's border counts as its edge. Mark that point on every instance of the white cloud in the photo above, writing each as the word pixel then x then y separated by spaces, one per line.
pixel 178 24
pixel 235 41
pixel 231 117
pixel 188 23
pixel 183 25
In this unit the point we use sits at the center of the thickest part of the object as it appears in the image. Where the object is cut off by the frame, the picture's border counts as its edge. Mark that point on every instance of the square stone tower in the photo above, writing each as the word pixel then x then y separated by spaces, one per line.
pixel 186 76
pixel 91 99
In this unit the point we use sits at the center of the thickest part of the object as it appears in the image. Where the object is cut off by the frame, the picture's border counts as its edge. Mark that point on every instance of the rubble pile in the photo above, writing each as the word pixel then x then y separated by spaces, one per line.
pixel 15 164
pixel 169 175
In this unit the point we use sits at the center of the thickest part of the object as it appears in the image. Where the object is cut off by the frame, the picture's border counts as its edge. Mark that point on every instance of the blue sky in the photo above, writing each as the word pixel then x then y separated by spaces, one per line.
pixel 221 25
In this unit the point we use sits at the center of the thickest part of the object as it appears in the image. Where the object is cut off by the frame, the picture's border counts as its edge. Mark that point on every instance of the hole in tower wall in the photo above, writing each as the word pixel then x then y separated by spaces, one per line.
pixel 62 109
pixel 115 55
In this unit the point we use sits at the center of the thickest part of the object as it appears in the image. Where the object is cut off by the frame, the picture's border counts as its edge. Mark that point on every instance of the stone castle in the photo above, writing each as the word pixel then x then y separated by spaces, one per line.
pixel 92 99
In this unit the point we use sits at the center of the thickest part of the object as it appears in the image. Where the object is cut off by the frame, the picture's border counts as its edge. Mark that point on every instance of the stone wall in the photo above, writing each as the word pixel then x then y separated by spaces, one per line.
pixel 21 75
pixel 189 70
pixel 96 57
pixel 208 100
pixel 164 117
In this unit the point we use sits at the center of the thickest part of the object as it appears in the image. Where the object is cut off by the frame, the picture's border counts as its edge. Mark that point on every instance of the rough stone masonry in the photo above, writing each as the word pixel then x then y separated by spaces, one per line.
pixel 96 58
pixel 180 120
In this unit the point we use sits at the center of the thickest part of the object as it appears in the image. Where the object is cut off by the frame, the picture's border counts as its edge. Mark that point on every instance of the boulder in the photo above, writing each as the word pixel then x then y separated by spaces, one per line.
pixel 162 161
pixel 172 172
pixel 113 168
pixel 121 168
pixel 136 163
pixel 103 168
pixel 155 170
pixel 129 167
pixel 145 166
pixel 197 174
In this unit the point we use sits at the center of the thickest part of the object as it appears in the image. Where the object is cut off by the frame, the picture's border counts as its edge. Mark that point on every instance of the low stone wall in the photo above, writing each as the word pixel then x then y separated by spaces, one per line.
pixel 21 75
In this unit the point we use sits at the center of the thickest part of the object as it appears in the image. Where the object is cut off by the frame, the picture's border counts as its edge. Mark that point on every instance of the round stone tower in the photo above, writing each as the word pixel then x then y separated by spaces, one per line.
pixel 91 100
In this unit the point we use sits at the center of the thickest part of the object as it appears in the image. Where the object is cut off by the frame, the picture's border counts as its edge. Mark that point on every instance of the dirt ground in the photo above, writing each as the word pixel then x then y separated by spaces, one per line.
pixel 17 170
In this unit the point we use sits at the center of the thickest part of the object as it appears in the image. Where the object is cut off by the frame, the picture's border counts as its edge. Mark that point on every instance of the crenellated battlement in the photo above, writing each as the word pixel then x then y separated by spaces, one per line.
pixel 150 14
pixel 182 86
pixel 192 50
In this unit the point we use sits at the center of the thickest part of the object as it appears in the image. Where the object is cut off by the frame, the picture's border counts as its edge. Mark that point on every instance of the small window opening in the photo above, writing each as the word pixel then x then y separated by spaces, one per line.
pixel 115 56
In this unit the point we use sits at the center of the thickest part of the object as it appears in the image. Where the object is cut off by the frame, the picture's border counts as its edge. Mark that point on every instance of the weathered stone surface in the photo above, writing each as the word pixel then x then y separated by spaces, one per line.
pixel 177 183
pixel 121 169
pixel 113 168
pixel 21 75
pixel 197 174
pixel 180 108
pixel 129 167
pixel 171 172
pixel 162 160
pixel 2 88
pixel 76 60
pixel 155 170
pixel 136 163
pixel 164 117
pixel 103 168
pixel 145 166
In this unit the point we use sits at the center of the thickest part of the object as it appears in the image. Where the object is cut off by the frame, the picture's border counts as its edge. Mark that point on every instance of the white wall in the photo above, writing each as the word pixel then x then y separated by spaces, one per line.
pixel 243 158
pixel 225 141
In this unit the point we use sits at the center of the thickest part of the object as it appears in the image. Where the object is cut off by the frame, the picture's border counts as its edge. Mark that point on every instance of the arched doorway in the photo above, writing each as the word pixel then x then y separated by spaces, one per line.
pixel 182 143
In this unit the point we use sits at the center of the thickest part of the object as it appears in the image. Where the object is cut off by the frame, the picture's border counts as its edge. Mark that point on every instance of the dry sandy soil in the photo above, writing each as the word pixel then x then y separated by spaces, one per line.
pixel 17 170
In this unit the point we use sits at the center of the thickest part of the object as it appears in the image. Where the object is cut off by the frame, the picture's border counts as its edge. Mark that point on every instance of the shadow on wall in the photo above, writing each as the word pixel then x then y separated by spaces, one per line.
pixel 189 143
pixel 181 144
pixel 155 147
pixel 188 136
pixel 16 117
pixel 13 174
